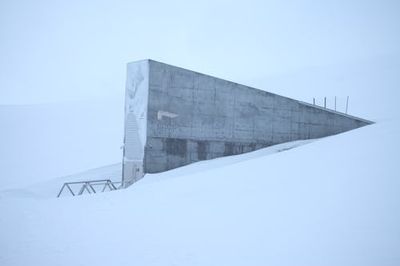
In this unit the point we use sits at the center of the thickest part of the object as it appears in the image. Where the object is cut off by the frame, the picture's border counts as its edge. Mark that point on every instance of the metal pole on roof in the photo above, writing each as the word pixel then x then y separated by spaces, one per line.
pixel 347 104
pixel 335 103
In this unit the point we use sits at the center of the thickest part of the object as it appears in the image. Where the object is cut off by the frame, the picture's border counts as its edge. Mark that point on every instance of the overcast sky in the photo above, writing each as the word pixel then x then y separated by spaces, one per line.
pixel 73 54
pixel 53 51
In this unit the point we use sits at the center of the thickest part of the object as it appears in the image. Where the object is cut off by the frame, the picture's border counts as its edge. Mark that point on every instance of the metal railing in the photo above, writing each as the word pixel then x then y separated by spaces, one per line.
pixel 335 105
pixel 90 187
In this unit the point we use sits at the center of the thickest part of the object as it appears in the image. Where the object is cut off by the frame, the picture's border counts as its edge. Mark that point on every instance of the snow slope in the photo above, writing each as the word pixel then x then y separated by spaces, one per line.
pixel 334 201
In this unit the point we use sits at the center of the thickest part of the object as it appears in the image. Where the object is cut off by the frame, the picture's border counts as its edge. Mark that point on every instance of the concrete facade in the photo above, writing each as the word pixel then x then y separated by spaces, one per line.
pixel 176 117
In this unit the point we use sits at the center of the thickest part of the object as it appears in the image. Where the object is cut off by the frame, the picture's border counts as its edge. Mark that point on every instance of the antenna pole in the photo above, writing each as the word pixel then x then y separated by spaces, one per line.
pixel 335 103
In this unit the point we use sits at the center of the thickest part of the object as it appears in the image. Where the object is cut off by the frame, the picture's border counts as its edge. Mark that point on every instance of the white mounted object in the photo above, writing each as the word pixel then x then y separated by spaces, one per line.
pixel 161 114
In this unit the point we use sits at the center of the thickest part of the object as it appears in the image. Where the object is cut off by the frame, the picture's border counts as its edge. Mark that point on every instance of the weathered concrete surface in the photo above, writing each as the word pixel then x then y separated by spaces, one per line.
pixel 192 116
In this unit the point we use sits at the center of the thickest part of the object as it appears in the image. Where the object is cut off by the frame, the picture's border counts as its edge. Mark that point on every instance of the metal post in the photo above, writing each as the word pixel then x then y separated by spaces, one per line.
pixel 347 104
pixel 70 189
pixel 335 103
pixel 313 101
pixel 61 190
pixel 90 185
pixel 87 188
pixel 82 189
pixel 105 186
pixel 325 102
pixel 112 184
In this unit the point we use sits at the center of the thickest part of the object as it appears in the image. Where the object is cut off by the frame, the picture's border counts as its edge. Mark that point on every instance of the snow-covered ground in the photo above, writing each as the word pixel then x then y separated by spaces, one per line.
pixel 333 201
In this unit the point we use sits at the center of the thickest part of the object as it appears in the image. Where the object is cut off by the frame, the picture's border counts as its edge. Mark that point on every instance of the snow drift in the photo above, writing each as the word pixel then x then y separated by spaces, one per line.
pixel 331 202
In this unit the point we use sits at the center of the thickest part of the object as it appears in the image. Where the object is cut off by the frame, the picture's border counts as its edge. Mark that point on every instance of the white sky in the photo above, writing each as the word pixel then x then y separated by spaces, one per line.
pixel 73 54
pixel 54 51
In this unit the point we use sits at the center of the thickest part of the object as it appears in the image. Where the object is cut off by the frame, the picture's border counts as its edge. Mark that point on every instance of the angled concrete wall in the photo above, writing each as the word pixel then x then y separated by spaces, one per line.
pixel 192 116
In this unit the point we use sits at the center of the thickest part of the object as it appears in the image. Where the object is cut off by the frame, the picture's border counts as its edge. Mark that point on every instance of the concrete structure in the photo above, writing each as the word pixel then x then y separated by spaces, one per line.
pixel 176 117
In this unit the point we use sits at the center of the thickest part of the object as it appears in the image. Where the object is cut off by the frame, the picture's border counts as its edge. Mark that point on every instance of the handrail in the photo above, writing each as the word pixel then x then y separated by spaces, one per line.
pixel 89 186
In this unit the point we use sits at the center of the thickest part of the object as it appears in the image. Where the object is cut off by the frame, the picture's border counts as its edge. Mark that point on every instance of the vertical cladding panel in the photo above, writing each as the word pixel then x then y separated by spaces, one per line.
pixel 136 99
pixel 217 117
